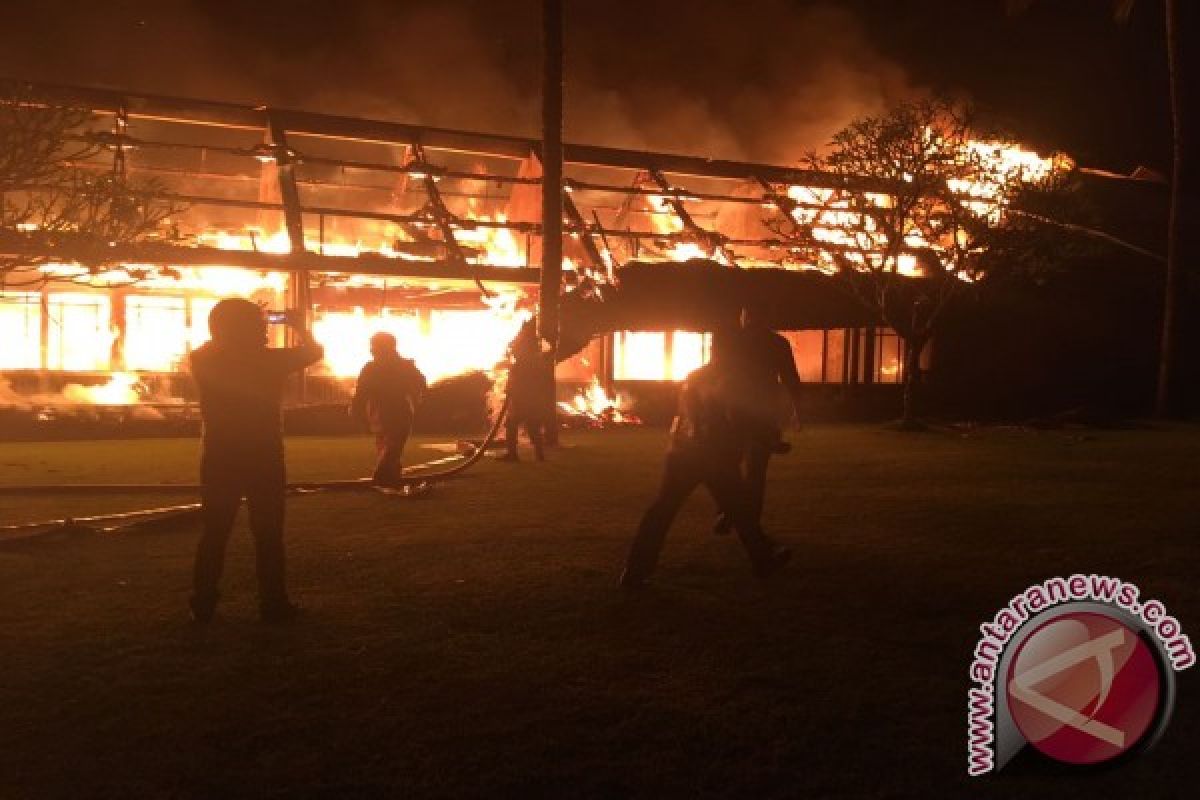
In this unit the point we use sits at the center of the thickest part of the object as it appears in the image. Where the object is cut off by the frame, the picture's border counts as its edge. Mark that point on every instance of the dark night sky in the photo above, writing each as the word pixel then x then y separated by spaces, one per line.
pixel 763 79
pixel 1064 74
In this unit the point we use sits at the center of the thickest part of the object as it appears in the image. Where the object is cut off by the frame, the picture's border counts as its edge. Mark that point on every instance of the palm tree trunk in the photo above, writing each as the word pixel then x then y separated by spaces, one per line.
pixel 912 366
pixel 1163 405
pixel 552 168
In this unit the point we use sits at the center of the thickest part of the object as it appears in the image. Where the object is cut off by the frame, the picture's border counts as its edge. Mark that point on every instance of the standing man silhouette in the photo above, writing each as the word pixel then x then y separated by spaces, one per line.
pixel 526 389
pixel 241 382
pixel 385 399
pixel 764 367
pixel 707 441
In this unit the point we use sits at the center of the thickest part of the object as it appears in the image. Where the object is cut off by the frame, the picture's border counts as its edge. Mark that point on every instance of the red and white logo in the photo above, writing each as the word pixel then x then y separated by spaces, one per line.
pixel 1084 688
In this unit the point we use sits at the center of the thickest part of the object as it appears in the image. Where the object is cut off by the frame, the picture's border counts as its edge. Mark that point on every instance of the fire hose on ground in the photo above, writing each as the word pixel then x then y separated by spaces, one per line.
pixel 416 481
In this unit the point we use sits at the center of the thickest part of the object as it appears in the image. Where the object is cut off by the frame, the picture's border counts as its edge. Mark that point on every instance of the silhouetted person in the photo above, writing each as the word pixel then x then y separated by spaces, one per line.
pixel 706 445
pixel 526 382
pixel 241 382
pixel 763 365
pixel 385 400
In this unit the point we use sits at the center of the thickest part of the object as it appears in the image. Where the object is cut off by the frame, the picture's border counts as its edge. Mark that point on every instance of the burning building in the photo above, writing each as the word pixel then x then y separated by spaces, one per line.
pixel 431 234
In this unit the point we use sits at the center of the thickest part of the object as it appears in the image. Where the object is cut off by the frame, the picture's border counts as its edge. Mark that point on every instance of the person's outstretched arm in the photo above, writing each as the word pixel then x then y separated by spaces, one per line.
pixel 307 351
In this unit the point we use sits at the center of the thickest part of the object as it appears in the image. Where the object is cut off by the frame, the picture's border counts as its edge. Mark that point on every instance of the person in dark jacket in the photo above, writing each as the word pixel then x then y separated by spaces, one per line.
pixel 707 441
pixel 526 386
pixel 764 367
pixel 240 381
pixel 386 396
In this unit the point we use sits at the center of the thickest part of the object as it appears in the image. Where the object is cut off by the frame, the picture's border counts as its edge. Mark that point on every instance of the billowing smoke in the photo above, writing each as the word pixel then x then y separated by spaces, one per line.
pixel 762 80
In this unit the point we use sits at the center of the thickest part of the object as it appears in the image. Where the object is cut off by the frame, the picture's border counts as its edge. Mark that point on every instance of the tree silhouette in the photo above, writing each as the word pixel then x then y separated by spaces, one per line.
pixel 1174 286
pixel 56 188
pixel 931 229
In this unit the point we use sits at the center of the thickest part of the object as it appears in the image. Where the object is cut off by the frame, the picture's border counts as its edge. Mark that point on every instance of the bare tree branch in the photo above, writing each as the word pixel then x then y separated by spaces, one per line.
pixel 906 254
pixel 50 185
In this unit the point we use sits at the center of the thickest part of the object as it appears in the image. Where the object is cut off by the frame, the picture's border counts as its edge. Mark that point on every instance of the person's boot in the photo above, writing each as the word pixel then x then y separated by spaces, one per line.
pixel 775 560
pixel 202 609
pixel 388 477
pixel 633 579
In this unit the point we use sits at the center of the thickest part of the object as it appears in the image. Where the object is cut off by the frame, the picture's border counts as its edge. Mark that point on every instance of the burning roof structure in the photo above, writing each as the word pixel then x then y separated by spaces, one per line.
pixel 431 234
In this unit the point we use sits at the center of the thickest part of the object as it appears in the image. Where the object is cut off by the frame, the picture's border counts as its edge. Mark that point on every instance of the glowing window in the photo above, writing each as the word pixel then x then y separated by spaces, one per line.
pixel 889 355
pixel 689 351
pixel 835 356
pixel 156 333
pixel 20 330
pixel 808 351
pixel 639 356
pixel 81 335
pixel 657 356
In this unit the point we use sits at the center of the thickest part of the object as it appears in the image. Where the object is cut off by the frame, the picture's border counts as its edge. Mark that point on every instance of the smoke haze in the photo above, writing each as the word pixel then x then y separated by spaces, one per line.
pixel 764 80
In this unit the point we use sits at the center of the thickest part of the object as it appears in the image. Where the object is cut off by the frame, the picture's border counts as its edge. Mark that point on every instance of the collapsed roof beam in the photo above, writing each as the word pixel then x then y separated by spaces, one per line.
pixel 782 203
pixel 284 160
pixel 579 227
pixel 442 217
pixel 713 242
pixel 425 247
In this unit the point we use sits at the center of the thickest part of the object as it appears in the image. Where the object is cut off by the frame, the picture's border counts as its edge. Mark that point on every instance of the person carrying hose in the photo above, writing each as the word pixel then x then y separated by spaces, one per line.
pixel 386 396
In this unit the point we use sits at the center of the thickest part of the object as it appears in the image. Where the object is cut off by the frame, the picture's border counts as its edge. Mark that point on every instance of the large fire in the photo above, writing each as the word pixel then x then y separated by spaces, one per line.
pixel 832 220
pixel 134 319
pixel 120 390
pixel 592 406
pixel 443 344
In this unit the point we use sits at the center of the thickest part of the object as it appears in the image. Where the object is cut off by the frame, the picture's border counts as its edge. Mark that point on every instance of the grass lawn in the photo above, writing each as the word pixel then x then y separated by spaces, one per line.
pixel 473 641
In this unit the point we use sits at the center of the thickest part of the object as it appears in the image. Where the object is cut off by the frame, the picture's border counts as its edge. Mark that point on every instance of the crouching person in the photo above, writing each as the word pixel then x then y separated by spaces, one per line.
pixel 707 442
pixel 240 382
pixel 386 396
